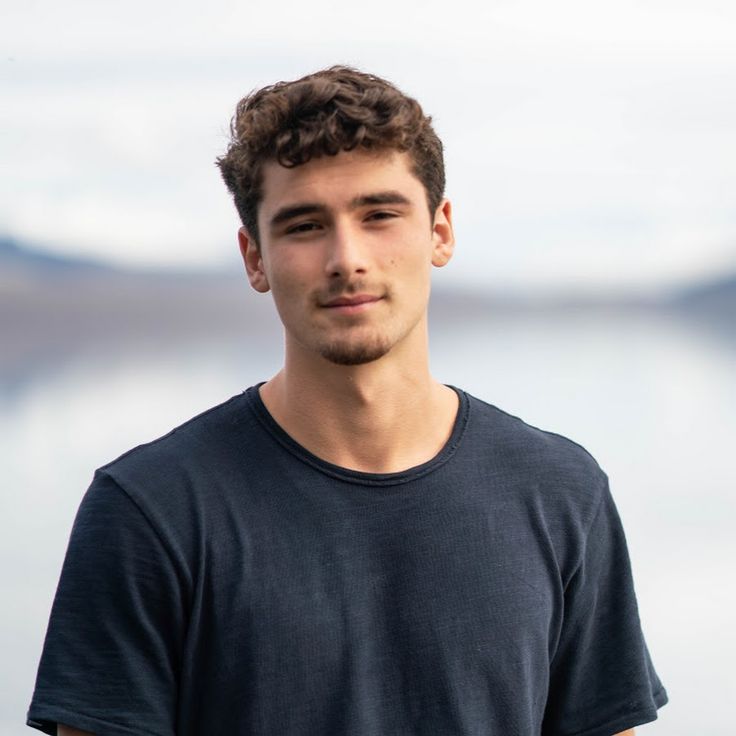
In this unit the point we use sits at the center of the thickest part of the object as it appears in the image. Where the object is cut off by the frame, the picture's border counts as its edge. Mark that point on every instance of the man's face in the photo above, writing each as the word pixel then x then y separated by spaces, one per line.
pixel 346 246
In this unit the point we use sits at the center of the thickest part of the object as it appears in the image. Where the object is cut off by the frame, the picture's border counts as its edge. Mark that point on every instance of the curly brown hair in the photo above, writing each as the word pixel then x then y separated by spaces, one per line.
pixel 321 114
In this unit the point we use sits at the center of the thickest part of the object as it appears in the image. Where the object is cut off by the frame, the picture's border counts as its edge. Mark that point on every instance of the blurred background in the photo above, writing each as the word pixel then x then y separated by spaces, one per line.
pixel 591 162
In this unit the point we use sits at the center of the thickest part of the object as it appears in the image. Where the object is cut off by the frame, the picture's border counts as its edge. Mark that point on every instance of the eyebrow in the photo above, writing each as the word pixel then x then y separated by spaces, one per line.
pixel 284 214
pixel 289 212
pixel 389 197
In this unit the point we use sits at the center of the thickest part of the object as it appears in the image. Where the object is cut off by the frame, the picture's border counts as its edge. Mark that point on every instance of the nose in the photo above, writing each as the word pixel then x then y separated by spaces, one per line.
pixel 346 254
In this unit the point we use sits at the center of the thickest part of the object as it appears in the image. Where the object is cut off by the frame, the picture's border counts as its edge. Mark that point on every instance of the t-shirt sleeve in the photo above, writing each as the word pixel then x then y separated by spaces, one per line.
pixel 602 680
pixel 117 624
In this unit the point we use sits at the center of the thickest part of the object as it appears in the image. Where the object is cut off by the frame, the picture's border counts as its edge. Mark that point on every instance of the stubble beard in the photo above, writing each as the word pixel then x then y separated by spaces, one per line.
pixel 343 353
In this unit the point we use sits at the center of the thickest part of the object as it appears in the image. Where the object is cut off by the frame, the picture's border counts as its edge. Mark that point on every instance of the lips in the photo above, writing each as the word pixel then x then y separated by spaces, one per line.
pixel 352 301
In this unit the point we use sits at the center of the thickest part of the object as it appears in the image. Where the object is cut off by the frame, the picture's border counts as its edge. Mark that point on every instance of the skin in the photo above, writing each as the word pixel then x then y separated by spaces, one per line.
pixel 347 247
pixel 384 412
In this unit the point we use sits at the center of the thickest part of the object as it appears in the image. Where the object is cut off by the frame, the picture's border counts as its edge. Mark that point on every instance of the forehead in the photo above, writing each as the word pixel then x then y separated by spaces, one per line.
pixel 334 180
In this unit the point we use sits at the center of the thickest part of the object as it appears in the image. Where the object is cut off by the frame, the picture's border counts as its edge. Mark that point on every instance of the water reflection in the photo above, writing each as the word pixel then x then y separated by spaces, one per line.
pixel 650 394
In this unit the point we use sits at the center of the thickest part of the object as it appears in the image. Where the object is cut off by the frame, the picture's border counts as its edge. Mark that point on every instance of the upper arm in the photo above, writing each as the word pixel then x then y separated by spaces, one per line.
pixel 67 731
pixel 601 658
pixel 113 643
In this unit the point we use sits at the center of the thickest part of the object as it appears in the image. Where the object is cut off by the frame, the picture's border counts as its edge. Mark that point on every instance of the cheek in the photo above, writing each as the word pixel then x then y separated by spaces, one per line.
pixel 289 286
pixel 410 257
pixel 282 271
pixel 415 261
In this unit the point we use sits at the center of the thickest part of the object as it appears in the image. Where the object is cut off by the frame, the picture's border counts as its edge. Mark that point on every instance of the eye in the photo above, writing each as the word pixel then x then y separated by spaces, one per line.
pixel 381 215
pixel 301 227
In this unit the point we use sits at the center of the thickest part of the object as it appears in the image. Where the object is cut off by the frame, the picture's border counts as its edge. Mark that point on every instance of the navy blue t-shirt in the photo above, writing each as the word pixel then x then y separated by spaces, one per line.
pixel 224 580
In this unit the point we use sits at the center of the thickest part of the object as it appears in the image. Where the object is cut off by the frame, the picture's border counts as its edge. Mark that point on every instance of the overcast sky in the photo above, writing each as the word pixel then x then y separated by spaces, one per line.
pixel 588 144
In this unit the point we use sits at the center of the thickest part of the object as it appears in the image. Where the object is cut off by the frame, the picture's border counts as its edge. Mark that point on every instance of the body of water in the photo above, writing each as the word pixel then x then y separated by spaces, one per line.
pixel 651 397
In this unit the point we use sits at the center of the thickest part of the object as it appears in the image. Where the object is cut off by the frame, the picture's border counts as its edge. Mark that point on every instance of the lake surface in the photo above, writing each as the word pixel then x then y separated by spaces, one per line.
pixel 653 398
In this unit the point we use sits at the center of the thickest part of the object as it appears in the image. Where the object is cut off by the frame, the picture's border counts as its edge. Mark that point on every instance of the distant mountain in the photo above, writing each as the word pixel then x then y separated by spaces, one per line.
pixel 718 296
pixel 13 253
pixel 20 259
pixel 53 305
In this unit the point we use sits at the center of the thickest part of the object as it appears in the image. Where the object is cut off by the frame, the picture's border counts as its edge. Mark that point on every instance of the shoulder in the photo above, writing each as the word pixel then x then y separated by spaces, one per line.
pixel 201 456
pixel 546 469
pixel 518 442
pixel 187 443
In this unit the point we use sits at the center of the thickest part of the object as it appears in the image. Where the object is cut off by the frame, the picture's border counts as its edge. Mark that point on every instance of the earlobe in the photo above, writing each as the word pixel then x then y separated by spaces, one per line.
pixel 442 235
pixel 253 261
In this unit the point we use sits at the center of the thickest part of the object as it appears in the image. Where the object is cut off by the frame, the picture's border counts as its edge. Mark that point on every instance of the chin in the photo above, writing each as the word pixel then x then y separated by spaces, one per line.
pixel 346 354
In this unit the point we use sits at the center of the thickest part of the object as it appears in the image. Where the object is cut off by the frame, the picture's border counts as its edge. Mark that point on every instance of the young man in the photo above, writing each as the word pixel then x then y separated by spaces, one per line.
pixel 350 547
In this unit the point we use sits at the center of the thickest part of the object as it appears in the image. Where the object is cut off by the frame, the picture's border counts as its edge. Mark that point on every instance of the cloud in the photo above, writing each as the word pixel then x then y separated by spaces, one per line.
pixel 585 143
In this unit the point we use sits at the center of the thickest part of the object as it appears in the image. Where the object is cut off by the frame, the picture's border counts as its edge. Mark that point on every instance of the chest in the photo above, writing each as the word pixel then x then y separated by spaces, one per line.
pixel 387 620
pixel 419 587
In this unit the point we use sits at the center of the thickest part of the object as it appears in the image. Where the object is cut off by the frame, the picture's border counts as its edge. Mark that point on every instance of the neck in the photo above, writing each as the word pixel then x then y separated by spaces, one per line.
pixel 384 416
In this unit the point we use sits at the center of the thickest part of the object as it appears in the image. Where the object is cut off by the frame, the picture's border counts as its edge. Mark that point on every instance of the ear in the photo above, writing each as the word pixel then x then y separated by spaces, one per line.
pixel 253 261
pixel 443 237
